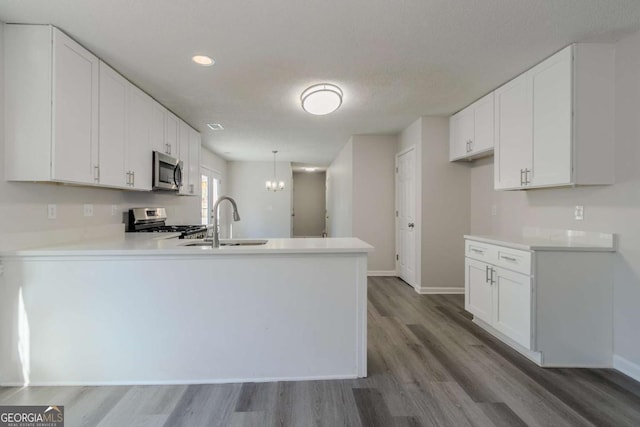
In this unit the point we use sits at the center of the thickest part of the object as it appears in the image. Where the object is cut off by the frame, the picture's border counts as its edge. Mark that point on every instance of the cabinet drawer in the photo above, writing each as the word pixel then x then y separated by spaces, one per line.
pixel 514 259
pixel 481 251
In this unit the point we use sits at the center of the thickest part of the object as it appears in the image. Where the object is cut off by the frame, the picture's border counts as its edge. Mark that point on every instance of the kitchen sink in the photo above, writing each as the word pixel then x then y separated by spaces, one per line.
pixel 238 242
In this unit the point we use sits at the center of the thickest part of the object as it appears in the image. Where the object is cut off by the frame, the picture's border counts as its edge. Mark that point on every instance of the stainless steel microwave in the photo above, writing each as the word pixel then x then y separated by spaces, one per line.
pixel 167 172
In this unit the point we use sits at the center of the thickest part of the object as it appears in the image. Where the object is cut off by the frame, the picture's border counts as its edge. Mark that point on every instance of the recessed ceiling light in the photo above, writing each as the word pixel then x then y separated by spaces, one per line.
pixel 321 99
pixel 215 126
pixel 310 169
pixel 203 60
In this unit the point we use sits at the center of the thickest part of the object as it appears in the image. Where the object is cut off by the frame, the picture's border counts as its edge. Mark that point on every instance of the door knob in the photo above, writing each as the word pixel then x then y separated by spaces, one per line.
pixel 411 225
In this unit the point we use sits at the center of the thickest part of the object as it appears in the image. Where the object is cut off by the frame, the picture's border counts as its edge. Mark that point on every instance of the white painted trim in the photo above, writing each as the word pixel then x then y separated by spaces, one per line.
pixel 181 382
pixel 626 367
pixel 426 290
pixel 385 273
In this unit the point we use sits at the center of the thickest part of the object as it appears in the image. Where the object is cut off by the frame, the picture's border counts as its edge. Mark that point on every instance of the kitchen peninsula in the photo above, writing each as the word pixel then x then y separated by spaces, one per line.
pixel 139 310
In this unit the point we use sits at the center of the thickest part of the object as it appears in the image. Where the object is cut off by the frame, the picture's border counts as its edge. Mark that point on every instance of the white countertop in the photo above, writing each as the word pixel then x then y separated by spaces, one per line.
pixel 536 239
pixel 152 244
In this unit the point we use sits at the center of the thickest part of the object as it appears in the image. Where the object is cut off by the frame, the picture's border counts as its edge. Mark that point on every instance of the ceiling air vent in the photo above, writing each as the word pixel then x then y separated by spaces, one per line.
pixel 215 126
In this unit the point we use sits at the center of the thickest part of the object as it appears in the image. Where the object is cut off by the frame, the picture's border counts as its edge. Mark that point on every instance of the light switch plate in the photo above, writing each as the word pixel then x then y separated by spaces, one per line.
pixel 494 210
pixel 52 211
pixel 579 213
pixel 114 210
pixel 88 210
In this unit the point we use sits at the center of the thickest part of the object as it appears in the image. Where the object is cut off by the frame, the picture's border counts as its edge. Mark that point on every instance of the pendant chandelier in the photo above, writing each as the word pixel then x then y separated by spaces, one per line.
pixel 274 185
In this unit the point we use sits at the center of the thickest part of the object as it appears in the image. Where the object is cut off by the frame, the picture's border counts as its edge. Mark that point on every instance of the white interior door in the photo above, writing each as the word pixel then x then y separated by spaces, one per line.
pixel 406 229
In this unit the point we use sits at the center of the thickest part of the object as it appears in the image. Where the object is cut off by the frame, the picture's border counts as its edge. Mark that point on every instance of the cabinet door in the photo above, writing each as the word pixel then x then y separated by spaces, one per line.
pixel 184 131
pixel 139 158
pixel 75 111
pixel 513 132
pixel 478 289
pixel 157 130
pixel 461 137
pixel 512 305
pixel 194 162
pixel 483 111
pixel 552 118
pixel 113 127
pixel 171 134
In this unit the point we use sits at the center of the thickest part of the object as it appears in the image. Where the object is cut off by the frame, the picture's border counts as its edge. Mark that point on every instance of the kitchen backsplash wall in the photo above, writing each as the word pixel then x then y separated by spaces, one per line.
pixel 614 208
pixel 23 205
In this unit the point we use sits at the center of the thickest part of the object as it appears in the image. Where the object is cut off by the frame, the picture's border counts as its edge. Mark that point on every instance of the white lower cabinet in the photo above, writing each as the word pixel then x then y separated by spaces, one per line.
pixel 511 312
pixel 478 289
pixel 553 306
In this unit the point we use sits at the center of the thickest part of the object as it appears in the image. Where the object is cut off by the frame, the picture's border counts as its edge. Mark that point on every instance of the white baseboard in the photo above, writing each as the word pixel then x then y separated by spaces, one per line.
pixel 425 290
pixel 626 367
pixel 382 273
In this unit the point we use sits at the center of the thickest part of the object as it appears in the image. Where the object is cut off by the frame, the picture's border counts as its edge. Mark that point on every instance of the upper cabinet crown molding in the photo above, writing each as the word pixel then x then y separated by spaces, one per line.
pixel 471 130
pixel 554 124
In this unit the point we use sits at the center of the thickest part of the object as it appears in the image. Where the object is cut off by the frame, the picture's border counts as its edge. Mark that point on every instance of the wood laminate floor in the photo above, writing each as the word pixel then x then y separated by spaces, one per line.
pixel 428 366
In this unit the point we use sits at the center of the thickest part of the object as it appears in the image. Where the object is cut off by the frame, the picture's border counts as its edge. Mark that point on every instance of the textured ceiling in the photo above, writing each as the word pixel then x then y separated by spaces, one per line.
pixel 394 60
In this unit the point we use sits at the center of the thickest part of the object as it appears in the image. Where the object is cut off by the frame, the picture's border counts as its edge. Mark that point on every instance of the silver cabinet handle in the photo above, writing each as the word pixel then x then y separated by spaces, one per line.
pixel 128 177
pixel 133 179
pixel 526 176
pixel 492 279
pixel 96 176
pixel 521 176
pixel 478 251
pixel 508 258
pixel 486 274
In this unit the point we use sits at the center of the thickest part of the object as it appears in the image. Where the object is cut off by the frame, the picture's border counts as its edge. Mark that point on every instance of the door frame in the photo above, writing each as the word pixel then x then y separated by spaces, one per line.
pixel 418 216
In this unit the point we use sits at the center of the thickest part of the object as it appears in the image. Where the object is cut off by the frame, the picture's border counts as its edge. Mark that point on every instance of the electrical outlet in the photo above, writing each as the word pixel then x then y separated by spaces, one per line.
pixel 114 210
pixel 52 211
pixel 88 210
pixel 494 210
pixel 579 213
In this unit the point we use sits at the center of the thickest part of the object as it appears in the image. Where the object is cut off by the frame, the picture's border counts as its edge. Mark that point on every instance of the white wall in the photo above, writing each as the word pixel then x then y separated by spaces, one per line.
pixel 262 213
pixel 445 208
pixel 309 203
pixel 340 194
pixel 23 205
pixel 374 197
pixel 443 191
pixel 614 208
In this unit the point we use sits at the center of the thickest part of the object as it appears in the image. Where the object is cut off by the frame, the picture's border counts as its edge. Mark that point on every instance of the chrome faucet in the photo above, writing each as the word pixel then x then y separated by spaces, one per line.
pixel 216 226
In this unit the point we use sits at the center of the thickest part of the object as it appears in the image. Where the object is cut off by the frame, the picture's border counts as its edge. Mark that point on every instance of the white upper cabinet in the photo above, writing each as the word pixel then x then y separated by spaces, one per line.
pixel 171 135
pixel 554 123
pixel 71 118
pixel 158 127
pixel 113 127
pixel 194 163
pixel 183 155
pixel 138 157
pixel 51 85
pixel 189 155
pixel 513 133
pixel 471 130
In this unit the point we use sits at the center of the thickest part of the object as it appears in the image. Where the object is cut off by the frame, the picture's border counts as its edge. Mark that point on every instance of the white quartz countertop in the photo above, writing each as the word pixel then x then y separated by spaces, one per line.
pixel 533 239
pixel 152 244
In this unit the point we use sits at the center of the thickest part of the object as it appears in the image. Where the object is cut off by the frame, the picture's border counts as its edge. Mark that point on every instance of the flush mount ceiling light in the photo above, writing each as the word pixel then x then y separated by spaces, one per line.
pixel 274 185
pixel 215 126
pixel 321 99
pixel 203 60
pixel 310 169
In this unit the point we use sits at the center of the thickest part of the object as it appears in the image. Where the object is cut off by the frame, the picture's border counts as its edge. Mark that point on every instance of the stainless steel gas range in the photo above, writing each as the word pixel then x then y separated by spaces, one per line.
pixel 153 220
